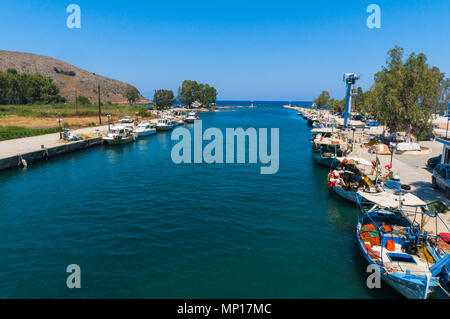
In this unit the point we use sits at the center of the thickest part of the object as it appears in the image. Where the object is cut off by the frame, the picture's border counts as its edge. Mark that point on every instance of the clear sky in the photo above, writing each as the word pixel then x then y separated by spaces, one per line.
pixel 258 50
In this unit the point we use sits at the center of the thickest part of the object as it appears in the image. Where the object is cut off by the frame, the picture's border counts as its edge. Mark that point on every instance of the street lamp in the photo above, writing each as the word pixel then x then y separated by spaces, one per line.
pixel 353 138
pixel 108 116
pixel 59 125
pixel 391 148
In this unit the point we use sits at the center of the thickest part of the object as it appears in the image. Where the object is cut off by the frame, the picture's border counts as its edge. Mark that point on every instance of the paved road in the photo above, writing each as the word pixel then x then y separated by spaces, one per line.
pixel 414 172
pixel 30 144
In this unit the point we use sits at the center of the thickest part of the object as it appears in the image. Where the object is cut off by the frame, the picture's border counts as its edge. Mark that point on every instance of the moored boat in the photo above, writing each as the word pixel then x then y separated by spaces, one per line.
pixel 119 135
pixel 191 117
pixel 164 124
pixel 391 243
pixel 327 151
pixel 145 129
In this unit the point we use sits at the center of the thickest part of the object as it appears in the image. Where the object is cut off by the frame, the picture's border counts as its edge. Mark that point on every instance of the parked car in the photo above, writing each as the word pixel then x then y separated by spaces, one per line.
pixel 358 117
pixel 127 119
pixel 433 161
pixel 372 123
pixel 441 178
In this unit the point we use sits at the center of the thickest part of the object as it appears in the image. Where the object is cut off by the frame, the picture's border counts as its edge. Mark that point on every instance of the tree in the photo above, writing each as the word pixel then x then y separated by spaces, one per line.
pixel 131 94
pixel 405 93
pixel 189 92
pixel 163 98
pixel 208 94
pixel 445 95
pixel 322 100
pixel 83 100
pixel 25 88
pixel 337 105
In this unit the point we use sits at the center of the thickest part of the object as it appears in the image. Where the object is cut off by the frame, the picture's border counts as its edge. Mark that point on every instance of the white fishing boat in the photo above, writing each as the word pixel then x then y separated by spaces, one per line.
pixel 327 151
pixel 352 175
pixel 191 117
pixel 119 135
pixel 179 120
pixel 313 120
pixel 319 132
pixel 164 124
pixel 145 129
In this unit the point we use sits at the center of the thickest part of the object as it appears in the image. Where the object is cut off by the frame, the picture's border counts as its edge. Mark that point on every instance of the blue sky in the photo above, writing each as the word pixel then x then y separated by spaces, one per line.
pixel 258 50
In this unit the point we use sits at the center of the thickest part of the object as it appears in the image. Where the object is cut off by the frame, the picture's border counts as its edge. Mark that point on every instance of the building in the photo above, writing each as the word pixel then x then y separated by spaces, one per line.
pixel 445 159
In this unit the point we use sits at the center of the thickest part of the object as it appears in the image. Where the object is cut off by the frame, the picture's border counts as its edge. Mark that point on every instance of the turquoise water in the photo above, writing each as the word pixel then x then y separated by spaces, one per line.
pixel 141 226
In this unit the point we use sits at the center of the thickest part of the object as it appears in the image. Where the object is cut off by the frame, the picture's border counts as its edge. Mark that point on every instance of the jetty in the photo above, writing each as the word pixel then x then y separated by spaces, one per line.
pixel 22 151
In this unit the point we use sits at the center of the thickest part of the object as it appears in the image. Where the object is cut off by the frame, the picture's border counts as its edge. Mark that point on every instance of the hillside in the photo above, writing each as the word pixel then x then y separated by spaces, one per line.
pixel 69 78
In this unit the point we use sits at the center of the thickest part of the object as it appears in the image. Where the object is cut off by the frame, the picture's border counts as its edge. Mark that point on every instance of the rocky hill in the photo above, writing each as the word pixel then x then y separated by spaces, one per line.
pixel 69 78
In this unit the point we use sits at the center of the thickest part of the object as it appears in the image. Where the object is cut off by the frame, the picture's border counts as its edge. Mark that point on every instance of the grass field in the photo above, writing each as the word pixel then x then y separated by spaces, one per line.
pixel 11 132
pixel 28 120
pixel 70 110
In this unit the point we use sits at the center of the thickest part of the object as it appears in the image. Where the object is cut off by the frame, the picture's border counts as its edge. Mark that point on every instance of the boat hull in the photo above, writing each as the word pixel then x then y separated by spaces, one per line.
pixel 164 127
pixel 112 141
pixel 348 195
pixel 329 162
pixel 190 120
pixel 146 133
pixel 411 287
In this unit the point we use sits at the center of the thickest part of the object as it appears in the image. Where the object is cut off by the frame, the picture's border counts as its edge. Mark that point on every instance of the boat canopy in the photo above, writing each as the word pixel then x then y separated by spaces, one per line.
pixel 323 130
pixel 329 141
pixel 354 160
pixel 390 200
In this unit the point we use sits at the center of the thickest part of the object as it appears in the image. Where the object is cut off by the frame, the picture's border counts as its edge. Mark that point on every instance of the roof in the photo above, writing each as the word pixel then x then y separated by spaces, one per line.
pixel 443 140
pixel 324 130
pixel 390 200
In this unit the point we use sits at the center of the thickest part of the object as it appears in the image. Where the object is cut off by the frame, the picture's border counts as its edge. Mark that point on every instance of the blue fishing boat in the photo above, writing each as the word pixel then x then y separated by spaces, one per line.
pixel 389 241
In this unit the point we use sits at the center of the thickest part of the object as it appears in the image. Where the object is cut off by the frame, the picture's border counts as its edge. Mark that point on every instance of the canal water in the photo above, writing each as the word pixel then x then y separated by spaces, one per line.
pixel 140 226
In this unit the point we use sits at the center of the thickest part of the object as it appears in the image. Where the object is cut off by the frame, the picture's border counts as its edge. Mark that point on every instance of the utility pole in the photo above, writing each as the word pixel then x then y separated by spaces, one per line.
pixel 99 107
pixel 76 102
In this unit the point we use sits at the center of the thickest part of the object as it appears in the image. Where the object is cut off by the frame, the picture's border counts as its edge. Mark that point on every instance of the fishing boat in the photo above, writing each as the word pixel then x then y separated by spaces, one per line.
pixel 319 132
pixel 327 151
pixel 350 176
pixel 164 124
pixel 191 117
pixel 179 120
pixel 145 129
pixel 119 135
pixel 313 119
pixel 391 243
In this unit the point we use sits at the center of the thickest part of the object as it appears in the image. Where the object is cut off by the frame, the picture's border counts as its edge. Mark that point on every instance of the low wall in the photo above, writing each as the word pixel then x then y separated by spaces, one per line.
pixel 47 153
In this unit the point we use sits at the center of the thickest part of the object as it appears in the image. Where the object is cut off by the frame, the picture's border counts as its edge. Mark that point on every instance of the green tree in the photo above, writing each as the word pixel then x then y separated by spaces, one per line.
pixel 336 105
pixel 163 98
pixel 208 95
pixel 83 100
pixel 131 94
pixel 405 92
pixel 322 100
pixel 189 92
pixel 25 88
pixel 445 96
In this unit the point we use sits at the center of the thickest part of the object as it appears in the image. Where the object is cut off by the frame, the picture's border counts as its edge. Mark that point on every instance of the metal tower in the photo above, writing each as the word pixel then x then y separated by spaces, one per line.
pixel 349 79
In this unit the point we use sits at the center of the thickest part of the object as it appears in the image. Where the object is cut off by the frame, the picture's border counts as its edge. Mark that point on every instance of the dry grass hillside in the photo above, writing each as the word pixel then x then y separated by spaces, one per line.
pixel 69 78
